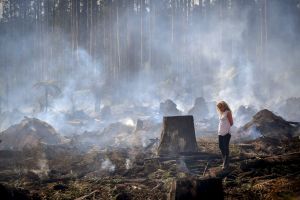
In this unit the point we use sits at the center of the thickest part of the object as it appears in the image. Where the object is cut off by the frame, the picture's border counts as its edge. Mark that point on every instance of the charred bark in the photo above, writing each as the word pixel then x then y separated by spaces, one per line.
pixel 178 136
pixel 208 188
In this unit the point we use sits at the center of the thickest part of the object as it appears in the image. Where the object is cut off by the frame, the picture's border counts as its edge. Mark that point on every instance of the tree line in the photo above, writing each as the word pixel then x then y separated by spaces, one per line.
pixel 44 39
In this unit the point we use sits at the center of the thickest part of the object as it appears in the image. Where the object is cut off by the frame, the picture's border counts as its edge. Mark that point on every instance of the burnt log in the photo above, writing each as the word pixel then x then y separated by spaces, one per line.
pixel 178 136
pixel 272 161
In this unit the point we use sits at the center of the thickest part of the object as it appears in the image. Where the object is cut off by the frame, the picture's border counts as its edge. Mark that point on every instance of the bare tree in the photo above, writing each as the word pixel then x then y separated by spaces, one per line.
pixel 50 89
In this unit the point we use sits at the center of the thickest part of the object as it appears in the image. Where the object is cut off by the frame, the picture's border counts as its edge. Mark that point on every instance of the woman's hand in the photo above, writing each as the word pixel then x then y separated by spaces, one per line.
pixel 229 116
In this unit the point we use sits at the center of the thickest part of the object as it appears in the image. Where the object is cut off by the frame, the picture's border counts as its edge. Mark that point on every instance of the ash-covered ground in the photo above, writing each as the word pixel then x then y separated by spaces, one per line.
pixel 117 159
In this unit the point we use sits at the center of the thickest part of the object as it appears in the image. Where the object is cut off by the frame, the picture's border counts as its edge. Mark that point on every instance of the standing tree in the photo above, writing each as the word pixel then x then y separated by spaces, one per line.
pixel 50 88
pixel 96 91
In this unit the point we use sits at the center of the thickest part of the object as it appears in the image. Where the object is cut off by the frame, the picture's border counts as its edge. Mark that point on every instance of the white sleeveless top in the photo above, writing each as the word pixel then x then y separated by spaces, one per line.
pixel 224 125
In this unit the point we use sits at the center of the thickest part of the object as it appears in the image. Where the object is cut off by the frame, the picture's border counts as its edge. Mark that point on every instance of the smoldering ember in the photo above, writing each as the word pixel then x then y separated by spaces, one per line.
pixel 138 99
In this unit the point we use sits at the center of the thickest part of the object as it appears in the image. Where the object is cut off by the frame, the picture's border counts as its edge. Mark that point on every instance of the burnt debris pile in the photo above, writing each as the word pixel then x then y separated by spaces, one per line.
pixel 30 132
pixel 268 134
pixel 266 124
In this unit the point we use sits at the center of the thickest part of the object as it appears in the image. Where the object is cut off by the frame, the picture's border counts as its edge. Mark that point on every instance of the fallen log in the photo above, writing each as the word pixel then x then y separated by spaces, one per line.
pixel 270 161
pixel 246 146
pixel 88 195
pixel 187 156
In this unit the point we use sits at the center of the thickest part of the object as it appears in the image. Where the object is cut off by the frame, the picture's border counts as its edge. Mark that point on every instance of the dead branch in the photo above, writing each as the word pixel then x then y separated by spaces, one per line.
pixel 88 195
pixel 205 169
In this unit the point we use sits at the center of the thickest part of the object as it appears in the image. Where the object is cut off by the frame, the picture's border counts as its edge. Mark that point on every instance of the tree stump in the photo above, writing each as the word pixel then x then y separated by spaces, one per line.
pixel 178 136
pixel 188 188
pixel 168 108
pixel 200 109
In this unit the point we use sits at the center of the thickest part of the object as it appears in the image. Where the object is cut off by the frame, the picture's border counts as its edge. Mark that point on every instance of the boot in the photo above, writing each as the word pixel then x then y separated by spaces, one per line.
pixel 226 162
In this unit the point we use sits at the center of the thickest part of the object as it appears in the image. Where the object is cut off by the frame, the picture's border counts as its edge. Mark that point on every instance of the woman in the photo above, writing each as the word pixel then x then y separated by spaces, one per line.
pixel 225 122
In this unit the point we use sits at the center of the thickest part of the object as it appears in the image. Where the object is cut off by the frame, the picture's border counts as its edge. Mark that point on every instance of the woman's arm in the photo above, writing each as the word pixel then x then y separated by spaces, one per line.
pixel 229 116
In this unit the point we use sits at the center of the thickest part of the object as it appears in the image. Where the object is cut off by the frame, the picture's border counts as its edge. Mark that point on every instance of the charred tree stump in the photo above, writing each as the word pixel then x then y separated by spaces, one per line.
pixel 178 136
pixel 208 188
pixel 7 192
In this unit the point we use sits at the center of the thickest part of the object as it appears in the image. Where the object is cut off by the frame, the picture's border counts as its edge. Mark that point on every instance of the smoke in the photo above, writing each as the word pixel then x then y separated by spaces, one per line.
pixel 108 165
pixel 43 169
pixel 181 166
pixel 128 122
pixel 218 58
pixel 252 133
pixel 128 164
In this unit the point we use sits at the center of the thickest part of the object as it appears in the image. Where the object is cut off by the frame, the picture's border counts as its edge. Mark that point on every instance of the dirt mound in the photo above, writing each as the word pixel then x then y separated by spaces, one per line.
pixel 29 133
pixel 266 124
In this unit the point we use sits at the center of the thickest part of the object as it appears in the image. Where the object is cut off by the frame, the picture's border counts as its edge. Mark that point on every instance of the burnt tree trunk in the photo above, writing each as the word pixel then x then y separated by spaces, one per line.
pixel 178 136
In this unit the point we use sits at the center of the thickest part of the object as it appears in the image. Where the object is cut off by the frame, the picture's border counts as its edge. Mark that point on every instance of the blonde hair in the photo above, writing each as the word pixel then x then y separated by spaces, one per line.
pixel 224 105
